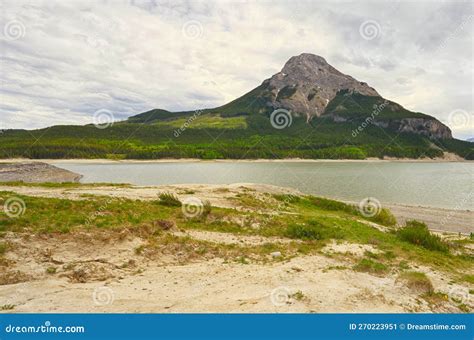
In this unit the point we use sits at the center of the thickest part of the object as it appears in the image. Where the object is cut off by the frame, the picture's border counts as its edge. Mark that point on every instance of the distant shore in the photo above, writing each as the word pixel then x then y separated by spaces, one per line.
pixel 195 160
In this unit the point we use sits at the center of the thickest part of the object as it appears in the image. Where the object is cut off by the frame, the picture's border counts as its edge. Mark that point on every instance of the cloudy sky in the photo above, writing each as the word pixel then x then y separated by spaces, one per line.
pixel 61 61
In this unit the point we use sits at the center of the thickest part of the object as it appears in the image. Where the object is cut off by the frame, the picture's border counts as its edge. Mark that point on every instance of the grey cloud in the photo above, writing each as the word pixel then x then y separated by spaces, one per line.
pixel 130 56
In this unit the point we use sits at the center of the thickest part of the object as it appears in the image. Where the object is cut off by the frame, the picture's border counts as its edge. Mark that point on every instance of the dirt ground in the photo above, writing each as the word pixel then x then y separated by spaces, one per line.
pixel 116 279
pixel 101 271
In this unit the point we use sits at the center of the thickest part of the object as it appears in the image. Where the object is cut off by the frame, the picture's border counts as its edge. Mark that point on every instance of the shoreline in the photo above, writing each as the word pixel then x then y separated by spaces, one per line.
pixel 261 160
pixel 437 219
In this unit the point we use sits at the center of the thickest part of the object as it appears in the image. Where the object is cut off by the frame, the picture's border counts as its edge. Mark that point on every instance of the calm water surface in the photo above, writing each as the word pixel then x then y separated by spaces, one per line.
pixel 446 185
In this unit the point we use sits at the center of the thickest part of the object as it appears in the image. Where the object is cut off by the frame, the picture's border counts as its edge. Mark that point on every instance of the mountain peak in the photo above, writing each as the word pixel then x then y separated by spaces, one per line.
pixel 307 83
pixel 306 59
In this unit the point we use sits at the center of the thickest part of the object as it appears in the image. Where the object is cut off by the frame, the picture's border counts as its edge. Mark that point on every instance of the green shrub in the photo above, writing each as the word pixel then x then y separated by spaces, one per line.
pixel 371 266
pixel 303 232
pixel 313 230
pixel 384 217
pixel 417 233
pixel 169 200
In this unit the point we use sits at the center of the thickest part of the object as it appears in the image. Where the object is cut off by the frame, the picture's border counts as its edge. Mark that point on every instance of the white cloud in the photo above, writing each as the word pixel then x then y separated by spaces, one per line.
pixel 74 57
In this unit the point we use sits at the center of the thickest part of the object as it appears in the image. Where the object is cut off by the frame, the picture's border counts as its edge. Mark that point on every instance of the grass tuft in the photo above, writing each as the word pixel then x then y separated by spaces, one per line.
pixel 468 278
pixel 51 270
pixel 371 266
pixel 417 282
pixel 327 204
pixel 417 233
pixel 170 200
pixel 313 230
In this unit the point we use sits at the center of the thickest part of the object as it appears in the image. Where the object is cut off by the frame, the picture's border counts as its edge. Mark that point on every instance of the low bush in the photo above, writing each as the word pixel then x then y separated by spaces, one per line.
pixel 384 217
pixel 417 233
pixel 303 232
pixel 206 209
pixel 169 200
pixel 313 230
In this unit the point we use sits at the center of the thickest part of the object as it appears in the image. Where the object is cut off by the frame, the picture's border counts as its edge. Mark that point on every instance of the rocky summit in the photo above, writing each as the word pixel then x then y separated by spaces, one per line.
pixel 307 83
pixel 308 86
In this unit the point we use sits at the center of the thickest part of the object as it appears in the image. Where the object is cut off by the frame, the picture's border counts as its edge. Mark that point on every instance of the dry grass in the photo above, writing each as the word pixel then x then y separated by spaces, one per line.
pixel 9 277
pixel 417 282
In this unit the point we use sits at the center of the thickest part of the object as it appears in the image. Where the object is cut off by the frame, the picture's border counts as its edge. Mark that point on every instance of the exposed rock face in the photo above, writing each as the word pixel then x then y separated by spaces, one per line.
pixel 307 83
pixel 428 127
pixel 431 128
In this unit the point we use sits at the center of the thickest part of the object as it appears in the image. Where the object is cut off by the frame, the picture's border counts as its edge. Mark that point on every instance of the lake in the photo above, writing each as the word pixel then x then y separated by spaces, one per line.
pixel 445 185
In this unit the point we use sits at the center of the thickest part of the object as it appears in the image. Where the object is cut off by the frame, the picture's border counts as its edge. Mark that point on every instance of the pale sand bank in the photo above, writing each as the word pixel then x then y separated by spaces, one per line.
pixel 35 172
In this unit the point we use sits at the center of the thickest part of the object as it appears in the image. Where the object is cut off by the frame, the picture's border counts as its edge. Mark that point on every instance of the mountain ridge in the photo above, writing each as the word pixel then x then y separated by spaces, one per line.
pixel 327 114
pixel 307 85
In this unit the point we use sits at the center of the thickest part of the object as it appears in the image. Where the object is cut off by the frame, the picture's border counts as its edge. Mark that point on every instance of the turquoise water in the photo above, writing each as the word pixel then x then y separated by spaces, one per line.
pixel 446 185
